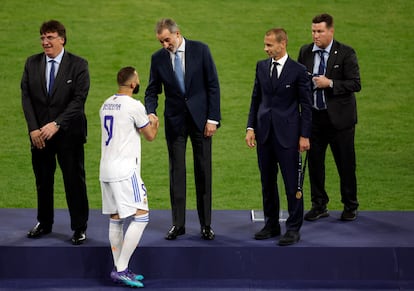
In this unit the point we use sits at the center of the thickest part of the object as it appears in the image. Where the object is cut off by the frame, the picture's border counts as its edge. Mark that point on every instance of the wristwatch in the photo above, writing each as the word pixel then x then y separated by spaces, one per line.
pixel 57 124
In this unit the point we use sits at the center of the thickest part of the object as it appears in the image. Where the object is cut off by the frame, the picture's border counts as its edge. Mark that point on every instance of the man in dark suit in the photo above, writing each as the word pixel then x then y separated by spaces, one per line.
pixel 192 109
pixel 280 121
pixel 54 87
pixel 335 72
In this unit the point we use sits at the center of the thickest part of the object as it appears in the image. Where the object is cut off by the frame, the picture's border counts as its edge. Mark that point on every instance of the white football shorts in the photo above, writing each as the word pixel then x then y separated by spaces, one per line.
pixel 124 197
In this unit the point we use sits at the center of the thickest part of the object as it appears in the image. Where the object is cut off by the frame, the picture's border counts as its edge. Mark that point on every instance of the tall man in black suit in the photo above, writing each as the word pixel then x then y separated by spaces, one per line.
pixel 335 80
pixel 192 109
pixel 280 120
pixel 54 87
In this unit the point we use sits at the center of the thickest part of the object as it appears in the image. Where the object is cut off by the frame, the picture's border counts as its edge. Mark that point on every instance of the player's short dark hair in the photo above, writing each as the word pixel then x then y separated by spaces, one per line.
pixel 124 75
pixel 324 17
pixel 53 26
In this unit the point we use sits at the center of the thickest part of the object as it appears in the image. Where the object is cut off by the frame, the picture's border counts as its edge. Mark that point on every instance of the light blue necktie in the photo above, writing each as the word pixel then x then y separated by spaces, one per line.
pixel 320 103
pixel 51 76
pixel 178 69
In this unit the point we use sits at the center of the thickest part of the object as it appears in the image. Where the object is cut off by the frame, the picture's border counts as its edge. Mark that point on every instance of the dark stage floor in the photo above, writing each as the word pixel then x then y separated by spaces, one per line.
pixel 374 252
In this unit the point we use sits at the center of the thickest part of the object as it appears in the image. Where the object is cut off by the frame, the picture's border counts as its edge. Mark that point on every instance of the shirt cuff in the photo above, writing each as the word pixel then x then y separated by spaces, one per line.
pixel 212 121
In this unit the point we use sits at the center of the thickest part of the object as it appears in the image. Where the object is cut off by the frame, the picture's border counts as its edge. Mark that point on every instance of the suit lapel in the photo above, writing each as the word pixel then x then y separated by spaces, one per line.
pixel 61 73
pixel 276 81
pixel 310 61
pixel 42 73
pixel 284 70
pixel 267 66
pixel 188 60
pixel 167 61
pixel 332 58
pixel 167 65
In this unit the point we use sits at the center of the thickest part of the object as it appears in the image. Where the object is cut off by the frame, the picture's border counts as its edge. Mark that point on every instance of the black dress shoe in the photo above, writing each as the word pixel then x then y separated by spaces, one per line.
pixel 79 237
pixel 348 215
pixel 38 230
pixel 289 238
pixel 316 213
pixel 174 232
pixel 267 232
pixel 207 233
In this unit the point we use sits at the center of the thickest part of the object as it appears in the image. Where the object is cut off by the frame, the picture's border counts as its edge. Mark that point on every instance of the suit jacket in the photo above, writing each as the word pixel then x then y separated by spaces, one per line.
pixel 67 101
pixel 202 97
pixel 284 106
pixel 342 67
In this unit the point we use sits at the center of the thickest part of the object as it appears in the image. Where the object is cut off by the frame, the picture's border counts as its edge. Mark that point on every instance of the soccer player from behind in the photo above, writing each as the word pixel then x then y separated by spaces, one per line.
pixel 123 121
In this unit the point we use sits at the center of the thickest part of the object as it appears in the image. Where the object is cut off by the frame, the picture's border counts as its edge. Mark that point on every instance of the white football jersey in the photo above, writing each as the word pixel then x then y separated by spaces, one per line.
pixel 121 117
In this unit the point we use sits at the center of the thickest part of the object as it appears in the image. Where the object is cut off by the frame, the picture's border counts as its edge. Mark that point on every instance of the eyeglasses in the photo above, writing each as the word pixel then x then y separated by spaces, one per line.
pixel 48 38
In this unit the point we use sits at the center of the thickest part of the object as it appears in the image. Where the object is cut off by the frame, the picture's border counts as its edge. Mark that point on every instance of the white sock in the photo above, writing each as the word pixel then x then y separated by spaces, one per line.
pixel 131 240
pixel 116 237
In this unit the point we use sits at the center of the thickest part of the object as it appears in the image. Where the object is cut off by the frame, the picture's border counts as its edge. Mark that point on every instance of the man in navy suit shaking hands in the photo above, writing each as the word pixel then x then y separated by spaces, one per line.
pixel 279 121
pixel 186 70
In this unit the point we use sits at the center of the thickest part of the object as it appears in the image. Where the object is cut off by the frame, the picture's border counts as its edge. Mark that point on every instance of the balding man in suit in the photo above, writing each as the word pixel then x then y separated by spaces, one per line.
pixel 280 120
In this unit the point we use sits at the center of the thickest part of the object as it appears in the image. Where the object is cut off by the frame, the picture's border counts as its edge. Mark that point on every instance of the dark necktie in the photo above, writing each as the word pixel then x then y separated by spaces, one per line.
pixel 178 69
pixel 320 102
pixel 273 72
pixel 51 76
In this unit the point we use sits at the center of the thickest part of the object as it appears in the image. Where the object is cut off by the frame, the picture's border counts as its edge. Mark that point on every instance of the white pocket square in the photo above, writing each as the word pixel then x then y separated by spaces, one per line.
pixel 287 86
pixel 68 81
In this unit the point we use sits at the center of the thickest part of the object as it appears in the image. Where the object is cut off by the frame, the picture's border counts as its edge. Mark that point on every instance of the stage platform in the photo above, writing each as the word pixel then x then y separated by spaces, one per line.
pixel 374 252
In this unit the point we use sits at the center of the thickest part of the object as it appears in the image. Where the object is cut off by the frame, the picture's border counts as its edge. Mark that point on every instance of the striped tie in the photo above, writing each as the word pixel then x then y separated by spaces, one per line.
pixel 320 102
